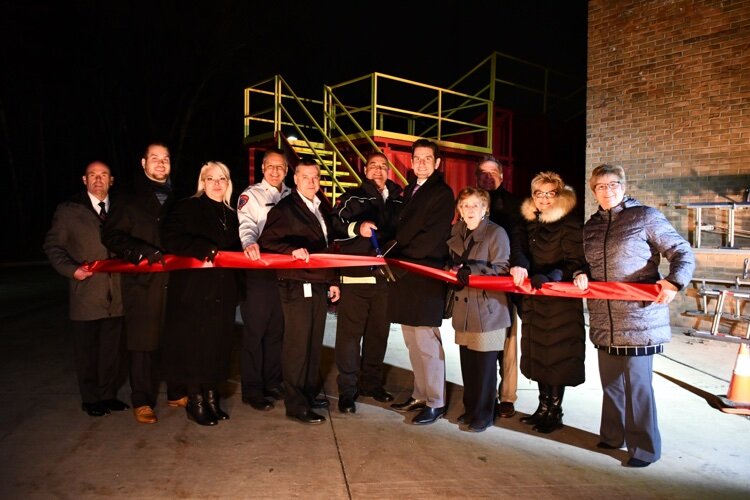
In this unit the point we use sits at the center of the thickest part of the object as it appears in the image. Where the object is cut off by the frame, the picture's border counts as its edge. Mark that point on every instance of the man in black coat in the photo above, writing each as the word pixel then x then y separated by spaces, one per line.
pixel 362 314
pixel 505 211
pixel 417 302
pixel 299 225
pixel 131 232
pixel 95 299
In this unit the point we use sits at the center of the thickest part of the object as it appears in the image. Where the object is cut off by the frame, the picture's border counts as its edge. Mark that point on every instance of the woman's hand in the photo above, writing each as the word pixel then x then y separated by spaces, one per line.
pixel 581 281
pixel 519 274
pixel 667 293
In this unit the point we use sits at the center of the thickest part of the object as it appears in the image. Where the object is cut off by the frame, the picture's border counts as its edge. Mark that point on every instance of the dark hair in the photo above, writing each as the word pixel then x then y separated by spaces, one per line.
pixel 426 143
pixel 485 159
pixel 155 143
pixel 372 154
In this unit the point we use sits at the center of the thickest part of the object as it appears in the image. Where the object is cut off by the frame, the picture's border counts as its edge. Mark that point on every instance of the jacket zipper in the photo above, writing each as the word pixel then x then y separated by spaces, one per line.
pixel 609 309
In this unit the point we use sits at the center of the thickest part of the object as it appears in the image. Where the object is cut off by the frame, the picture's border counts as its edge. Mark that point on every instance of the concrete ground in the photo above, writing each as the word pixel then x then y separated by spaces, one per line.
pixel 50 449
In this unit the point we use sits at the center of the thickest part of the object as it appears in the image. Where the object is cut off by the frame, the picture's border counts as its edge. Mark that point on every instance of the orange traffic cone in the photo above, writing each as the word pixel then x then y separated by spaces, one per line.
pixel 738 395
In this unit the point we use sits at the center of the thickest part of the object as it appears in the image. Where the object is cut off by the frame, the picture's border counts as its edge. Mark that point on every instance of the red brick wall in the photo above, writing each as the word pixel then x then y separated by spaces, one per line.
pixel 669 100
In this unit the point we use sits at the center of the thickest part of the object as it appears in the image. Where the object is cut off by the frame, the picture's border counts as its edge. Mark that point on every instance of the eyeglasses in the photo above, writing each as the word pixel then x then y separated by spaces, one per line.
pixel 422 159
pixel 274 167
pixel 218 180
pixel 545 194
pixel 600 188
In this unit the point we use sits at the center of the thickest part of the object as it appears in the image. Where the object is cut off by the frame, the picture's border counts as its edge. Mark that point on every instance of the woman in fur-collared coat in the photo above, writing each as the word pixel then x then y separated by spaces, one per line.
pixel 553 341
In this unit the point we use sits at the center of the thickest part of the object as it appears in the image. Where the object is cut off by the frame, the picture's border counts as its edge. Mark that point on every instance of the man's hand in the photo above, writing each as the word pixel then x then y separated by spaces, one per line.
pixel 80 274
pixel 538 280
pixel 581 281
pixel 366 228
pixel 301 254
pixel 252 251
pixel 334 293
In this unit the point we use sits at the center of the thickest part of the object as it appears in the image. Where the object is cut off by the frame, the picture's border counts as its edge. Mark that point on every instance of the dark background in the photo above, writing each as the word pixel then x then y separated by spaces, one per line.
pixel 84 80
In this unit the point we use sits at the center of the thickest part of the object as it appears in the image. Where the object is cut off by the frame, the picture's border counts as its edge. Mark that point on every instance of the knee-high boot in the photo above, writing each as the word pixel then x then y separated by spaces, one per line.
pixel 553 418
pixel 542 409
pixel 212 400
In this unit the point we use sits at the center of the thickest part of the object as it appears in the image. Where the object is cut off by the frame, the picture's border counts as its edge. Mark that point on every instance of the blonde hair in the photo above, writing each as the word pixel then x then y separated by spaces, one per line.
pixel 202 180
pixel 548 178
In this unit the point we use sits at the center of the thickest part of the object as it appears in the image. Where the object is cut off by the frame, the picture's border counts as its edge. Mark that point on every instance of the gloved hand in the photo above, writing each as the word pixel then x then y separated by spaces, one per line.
pixel 211 255
pixel 154 256
pixel 462 275
pixel 132 256
pixel 538 280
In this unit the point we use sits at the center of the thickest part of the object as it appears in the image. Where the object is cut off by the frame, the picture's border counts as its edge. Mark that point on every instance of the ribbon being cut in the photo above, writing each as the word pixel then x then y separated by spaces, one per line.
pixel 597 290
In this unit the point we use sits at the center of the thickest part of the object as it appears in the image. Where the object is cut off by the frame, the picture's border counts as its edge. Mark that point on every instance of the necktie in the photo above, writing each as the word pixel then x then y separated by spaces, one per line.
pixel 416 188
pixel 103 210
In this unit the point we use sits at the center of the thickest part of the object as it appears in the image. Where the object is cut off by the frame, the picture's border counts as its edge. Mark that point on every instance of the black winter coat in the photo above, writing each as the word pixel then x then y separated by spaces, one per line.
pixel 424 227
pixel 132 229
pixel 201 302
pixel 553 341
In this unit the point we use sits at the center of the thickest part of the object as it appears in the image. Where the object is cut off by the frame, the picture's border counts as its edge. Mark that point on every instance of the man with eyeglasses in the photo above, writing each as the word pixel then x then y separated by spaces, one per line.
pixel 505 211
pixel 417 302
pixel 362 315
pixel 131 232
pixel 262 317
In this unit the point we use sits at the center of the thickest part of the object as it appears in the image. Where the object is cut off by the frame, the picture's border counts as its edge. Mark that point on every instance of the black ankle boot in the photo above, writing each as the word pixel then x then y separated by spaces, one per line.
pixel 212 400
pixel 198 410
pixel 542 409
pixel 553 418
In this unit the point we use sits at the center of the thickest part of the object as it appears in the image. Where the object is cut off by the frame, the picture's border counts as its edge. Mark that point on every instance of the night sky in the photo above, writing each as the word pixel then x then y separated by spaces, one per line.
pixel 84 80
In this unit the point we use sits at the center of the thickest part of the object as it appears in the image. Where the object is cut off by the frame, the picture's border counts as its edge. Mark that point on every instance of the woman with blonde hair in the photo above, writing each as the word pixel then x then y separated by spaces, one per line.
pixel 201 302
pixel 553 339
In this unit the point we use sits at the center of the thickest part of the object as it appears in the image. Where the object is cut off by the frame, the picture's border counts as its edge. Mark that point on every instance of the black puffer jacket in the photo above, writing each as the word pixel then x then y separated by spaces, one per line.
pixel 553 341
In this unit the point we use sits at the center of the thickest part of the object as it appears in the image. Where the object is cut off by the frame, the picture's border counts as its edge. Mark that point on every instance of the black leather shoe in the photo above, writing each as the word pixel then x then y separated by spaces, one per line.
pixel 308 417
pixel 212 400
pixel 606 446
pixel 346 405
pixel 378 394
pixel 479 427
pixel 115 405
pixel 260 404
pixel 320 402
pixel 199 412
pixel 276 393
pixel 428 415
pixel 98 409
pixel 505 409
pixel 636 462
pixel 410 404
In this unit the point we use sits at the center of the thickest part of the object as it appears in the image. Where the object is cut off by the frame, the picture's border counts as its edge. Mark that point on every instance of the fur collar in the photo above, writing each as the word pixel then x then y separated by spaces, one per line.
pixel 566 201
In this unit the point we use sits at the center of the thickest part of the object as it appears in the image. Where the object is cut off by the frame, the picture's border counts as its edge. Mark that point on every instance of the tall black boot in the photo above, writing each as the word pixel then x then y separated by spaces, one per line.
pixel 542 409
pixel 198 410
pixel 553 419
pixel 212 400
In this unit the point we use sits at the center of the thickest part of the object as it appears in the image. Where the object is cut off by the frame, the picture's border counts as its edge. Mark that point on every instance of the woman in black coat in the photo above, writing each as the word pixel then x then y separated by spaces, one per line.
pixel 201 302
pixel 553 340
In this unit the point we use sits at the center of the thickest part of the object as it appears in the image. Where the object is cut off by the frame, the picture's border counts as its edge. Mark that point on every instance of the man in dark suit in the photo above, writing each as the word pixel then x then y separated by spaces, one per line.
pixel 299 225
pixel 131 232
pixel 415 301
pixel 362 314
pixel 505 211
pixel 95 300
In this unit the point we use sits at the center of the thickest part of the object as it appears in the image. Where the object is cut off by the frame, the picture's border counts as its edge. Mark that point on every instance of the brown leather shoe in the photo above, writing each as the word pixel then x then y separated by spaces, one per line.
pixel 145 415
pixel 178 403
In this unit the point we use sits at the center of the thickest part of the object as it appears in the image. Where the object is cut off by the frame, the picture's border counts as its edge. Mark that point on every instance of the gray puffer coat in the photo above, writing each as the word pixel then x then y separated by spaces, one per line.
pixel 625 244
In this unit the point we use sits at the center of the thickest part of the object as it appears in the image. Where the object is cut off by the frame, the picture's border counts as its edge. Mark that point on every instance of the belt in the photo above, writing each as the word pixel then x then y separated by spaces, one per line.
pixel 629 350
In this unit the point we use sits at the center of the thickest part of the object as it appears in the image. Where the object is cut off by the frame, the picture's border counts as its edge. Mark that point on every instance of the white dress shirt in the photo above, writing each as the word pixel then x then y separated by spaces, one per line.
pixel 253 206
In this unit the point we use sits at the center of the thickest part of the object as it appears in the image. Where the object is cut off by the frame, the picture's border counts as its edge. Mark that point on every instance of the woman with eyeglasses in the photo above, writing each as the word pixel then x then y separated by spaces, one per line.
pixel 201 302
pixel 480 318
pixel 553 340
pixel 624 242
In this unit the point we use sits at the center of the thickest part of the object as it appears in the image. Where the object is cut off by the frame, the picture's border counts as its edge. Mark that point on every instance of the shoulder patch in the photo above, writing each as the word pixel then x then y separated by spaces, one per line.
pixel 241 201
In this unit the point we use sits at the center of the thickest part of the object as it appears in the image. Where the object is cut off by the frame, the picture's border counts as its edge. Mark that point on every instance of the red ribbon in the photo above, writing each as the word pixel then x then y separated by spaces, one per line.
pixel 596 290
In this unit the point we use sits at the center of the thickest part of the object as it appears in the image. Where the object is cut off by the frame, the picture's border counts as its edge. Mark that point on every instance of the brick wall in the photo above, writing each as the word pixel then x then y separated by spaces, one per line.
pixel 669 100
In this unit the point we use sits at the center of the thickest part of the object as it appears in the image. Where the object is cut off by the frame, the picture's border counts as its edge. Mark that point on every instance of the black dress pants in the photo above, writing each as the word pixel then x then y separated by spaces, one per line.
pixel 304 326
pixel 263 319
pixel 480 384
pixel 362 318
pixel 97 357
